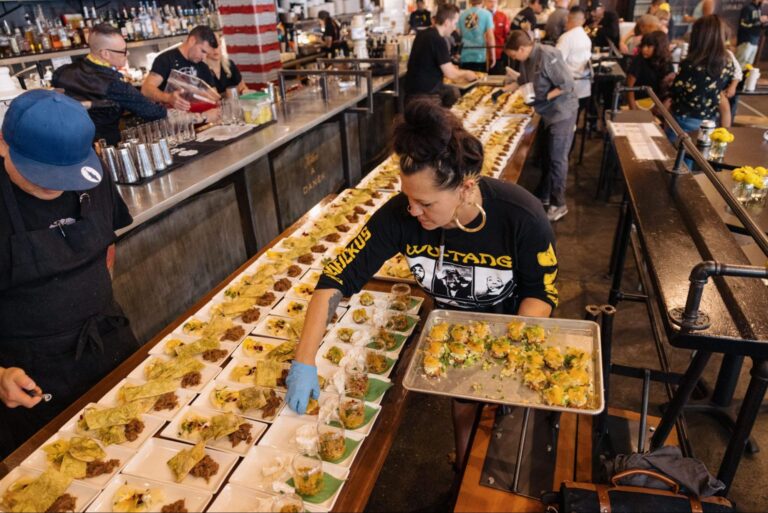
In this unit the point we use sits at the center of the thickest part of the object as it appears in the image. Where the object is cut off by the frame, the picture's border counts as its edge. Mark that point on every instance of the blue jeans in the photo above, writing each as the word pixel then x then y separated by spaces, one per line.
pixel 559 136
pixel 686 123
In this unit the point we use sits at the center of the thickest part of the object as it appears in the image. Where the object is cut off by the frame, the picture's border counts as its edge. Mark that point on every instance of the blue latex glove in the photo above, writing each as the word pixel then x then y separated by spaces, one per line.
pixel 302 383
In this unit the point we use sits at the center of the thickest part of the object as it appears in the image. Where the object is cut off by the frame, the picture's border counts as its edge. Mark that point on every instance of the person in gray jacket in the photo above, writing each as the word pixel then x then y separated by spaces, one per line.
pixel 555 101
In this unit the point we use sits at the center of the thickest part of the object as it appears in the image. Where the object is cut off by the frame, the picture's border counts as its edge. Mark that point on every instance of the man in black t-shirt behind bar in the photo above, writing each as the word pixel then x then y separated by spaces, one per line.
pixel 430 58
pixel 188 58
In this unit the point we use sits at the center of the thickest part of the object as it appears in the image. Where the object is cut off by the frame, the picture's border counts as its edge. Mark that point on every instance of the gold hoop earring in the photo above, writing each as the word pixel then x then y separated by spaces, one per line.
pixel 471 230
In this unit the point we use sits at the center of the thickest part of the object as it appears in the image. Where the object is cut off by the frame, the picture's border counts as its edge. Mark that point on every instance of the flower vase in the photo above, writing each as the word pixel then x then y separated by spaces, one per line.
pixel 717 151
pixel 743 191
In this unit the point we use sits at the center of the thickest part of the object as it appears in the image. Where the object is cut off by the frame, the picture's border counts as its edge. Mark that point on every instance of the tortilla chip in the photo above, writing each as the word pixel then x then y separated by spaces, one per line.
pixel 73 467
pixel 173 369
pixel 37 494
pixel 55 451
pixel 197 347
pixel 222 425
pixel 284 352
pixel 86 449
pixel 251 398
pixel 119 415
pixel 152 388
pixel 183 462
pixel 267 373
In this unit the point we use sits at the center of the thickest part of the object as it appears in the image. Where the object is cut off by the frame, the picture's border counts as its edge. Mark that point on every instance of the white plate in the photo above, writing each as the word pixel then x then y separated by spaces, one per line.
pixel 266 343
pixel 204 400
pixel 229 347
pixel 239 498
pixel 328 370
pixel 226 373
pixel 249 474
pixel 82 493
pixel 381 300
pixel 263 331
pixel 152 425
pixel 282 436
pixel 361 337
pixel 221 296
pixel 205 313
pixel 185 397
pixel 38 459
pixel 364 430
pixel 194 500
pixel 151 462
pixel 223 444
pixel 376 317
pixel 205 317
pixel 301 290
pixel 312 275
pixel 347 349
pixel 282 309
pixel 207 373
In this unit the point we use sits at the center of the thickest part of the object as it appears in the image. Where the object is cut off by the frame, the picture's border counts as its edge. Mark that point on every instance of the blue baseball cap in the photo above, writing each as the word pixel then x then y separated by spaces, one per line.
pixel 50 139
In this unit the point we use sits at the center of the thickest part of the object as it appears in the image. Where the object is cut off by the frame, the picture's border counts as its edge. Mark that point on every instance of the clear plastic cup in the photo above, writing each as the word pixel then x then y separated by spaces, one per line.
pixel 287 503
pixel 307 474
pixel 355 380
pixel 331 442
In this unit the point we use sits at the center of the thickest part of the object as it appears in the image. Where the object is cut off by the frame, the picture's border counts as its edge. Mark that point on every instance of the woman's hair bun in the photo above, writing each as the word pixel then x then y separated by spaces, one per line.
pixel 430 136
pixel 424 132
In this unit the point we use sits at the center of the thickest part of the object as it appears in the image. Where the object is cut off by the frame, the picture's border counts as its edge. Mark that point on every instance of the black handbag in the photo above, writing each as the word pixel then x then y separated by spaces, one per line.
pixel 617 498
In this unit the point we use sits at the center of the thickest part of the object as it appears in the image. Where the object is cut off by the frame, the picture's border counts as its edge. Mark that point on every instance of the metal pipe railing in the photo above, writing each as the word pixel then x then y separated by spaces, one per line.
pixel 394 61
pixel 686 146
pixel 324 74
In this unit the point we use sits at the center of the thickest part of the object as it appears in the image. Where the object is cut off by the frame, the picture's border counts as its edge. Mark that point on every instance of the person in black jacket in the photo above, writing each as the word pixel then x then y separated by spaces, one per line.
pixel 603 26
pixel 96 82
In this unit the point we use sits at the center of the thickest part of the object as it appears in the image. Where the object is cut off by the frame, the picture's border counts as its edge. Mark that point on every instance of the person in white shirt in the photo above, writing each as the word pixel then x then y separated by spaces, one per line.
pixel 576 48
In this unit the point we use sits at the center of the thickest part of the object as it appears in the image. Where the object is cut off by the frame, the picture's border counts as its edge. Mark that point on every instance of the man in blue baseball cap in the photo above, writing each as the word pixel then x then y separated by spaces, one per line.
pixel 61 330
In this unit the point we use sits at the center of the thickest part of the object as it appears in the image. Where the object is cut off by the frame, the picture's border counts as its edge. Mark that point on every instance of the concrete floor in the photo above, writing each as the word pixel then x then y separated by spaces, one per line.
pixel 418 475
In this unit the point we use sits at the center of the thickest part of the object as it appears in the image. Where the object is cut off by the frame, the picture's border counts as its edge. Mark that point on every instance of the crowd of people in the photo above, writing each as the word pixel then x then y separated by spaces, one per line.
pixel 701 85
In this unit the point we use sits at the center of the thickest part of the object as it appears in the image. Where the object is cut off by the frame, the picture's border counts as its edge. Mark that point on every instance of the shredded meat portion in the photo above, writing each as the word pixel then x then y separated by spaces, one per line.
pixel 333 237
pixel 273 403
pixel 234 334
pixel 251 315
pixel 265 299
pixel 214 355
pixel 205 468
pixel 282 284
pixel 369 203
pixel 359 210
pixel 243 434
pixel 293 271
pixel 63 504
pixel 342 227
pixel 282 378
pixel 306 259
pixel 191 379
pixel 166 401
pixel 99 467
pixel 375 195
pixel 175 507
pixel 352 218
pixel 133 429
pixel 318 248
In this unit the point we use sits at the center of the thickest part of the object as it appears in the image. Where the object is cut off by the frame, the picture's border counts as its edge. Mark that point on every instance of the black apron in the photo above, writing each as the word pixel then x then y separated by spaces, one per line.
pixel 60 321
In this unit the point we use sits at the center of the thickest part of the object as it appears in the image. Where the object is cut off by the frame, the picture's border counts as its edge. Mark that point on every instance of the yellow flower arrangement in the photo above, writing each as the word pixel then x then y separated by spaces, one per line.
pixel 749 175
pixel 748 67
pixel 721 135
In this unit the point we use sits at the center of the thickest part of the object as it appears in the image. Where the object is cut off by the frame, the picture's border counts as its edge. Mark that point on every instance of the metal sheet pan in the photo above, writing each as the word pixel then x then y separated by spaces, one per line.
pixel 476 384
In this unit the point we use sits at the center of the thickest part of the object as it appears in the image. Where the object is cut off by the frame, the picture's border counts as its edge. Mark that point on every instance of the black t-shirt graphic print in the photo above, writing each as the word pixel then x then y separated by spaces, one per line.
pixel 511 258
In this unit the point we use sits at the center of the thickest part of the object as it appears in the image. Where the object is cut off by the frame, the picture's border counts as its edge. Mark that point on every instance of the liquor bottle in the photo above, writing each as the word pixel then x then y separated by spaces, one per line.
pixel 66 43
pixel 16 40
pixel 87 17
pixel 29 34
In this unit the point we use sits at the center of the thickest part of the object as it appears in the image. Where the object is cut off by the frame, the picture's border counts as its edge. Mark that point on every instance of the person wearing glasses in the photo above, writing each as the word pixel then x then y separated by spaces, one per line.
pixel 97 83
pixel 479 244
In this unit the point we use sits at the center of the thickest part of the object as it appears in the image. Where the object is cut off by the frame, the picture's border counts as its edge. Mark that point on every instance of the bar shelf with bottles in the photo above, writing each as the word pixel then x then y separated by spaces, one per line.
pixel 148 24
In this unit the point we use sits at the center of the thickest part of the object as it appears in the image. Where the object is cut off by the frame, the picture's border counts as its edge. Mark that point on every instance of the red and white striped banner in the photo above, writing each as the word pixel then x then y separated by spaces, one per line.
pixel 250 31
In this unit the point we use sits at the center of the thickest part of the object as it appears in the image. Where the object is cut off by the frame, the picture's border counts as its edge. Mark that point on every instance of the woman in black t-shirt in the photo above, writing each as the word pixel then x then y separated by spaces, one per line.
pixel 225 72
pixel 651 67
pixel 479 244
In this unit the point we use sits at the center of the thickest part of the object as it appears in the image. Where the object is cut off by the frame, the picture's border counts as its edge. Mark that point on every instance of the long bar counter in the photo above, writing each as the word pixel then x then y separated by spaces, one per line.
pixel 373 453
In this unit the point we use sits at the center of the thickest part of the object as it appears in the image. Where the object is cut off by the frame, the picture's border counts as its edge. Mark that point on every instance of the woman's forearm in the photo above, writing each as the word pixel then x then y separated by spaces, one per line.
pixel 534 307
pixel 321 308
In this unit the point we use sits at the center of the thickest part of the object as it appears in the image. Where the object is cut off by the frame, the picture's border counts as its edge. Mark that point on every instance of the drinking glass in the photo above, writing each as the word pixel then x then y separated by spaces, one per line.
pixel 355 380
pixel 307 474
pixel 332 442
pixel 287 502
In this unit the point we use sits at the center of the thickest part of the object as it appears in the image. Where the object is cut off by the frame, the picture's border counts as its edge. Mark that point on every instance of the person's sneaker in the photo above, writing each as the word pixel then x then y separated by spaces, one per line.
pixel 555 213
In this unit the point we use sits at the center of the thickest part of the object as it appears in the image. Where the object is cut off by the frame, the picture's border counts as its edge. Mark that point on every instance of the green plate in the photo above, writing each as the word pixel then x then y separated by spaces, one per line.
pixel 369 413
pixel 331 485
pixel 390 363
pixel 411 323
pixel 349 447
pixel 376 389
pixel 400 338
